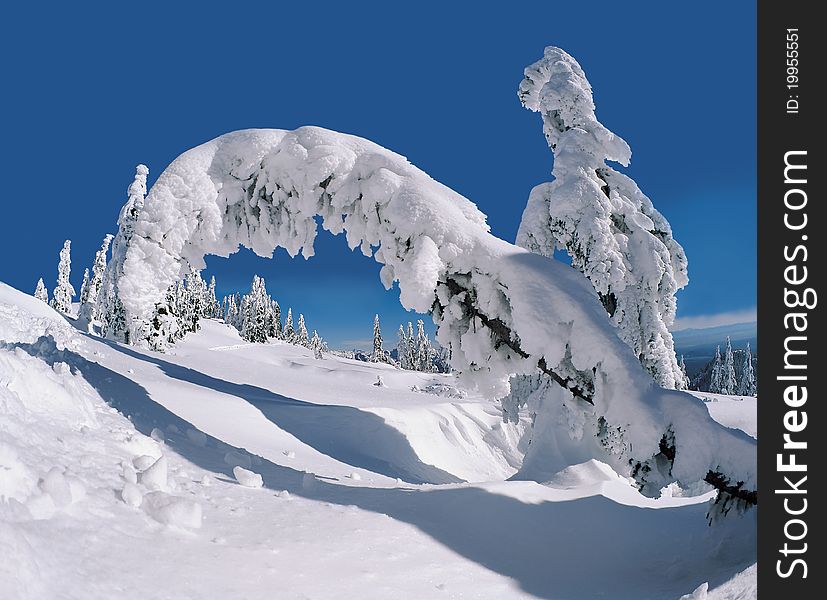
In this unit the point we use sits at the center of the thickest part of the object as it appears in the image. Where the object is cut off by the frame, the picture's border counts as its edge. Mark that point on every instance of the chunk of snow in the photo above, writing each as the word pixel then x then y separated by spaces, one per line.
pixel 172 510
pixel 355 476
pixel 155 476
pixel 156 434
pixel 131 494
pixel 247 478
pixel 308 481
pixel 289 454
pixel 143 462
pixel 379 382
pixel 55 484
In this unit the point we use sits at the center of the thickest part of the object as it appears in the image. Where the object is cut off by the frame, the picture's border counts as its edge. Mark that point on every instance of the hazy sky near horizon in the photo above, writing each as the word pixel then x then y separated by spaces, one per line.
pixel 90 91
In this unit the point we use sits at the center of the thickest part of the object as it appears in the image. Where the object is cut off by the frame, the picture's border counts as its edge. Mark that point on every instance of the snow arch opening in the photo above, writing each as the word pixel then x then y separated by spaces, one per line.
pixel 502 310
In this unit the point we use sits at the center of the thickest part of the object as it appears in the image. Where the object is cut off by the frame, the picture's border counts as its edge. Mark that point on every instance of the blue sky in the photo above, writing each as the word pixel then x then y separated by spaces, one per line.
pixel 90 91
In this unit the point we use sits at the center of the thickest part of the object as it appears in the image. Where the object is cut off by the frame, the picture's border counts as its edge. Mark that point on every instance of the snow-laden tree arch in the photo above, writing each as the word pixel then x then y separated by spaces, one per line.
pixel 502 309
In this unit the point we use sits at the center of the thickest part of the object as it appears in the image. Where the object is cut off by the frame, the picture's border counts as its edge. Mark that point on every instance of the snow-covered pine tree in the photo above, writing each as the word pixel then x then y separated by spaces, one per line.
pixel 747 385
pixel 289 332
pixel 113 314
pixel 412 350
pixel 162 329
pixel 317 345
pixel 302 339
pixel 685 383
pixel 212 309
pixel 716 378
pixel 608 227
pixel 402 348
pixel 275 310
pixel 84 288
pixel 378 354
pixel 197 296
pixel 40 291
pixel 90 307
pixel 64 292
pixel 729 385
pixel 424 350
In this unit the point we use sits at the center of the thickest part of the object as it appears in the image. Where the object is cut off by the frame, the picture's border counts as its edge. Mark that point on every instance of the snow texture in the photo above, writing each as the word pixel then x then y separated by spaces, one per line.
pixel 502 310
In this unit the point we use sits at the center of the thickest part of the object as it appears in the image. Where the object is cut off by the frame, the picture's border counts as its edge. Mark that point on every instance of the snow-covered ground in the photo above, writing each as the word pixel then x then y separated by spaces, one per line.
pixel 130 474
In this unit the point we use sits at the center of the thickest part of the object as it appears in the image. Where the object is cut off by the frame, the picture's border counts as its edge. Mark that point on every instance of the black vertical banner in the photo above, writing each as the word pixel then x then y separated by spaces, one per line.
pixel 791 235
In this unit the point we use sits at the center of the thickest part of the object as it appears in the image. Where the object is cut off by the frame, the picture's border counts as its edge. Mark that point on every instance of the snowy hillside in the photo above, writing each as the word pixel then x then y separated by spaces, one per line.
pixel 224 469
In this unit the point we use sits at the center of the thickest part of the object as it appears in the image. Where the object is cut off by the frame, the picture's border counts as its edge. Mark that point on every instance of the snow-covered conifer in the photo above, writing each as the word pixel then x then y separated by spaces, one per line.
pixel 40 291
pixel 289 332
pixel 84 288
pixel 747 385
pixel 599 216
pixel 317 345
pixel 424 350
pixel 716 378
pixel 275 310
pixel 402 348
pixel 684 385
pixel 90 302
pixel 64 292
pixel 302 338
pixel 378 354
pixel 113 314
pixel 212 309
pixel 729 385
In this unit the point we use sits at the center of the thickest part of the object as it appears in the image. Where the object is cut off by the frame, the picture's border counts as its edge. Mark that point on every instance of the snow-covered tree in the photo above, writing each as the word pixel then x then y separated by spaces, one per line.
pixel 378 354
pixel 318 346
pixel 684 384
pixel 275 310
pixel 424 352
pixel 163 329
pixel 64 292
pixel 113 314
pixel 90 306
pixel 289 332
pixel 716 379
pixel 729 385
pixel 402 346
pixel 599 216
pixel 302 338
pixel 213 308
pixel 747 385
pixel 84 288
pixel 40 291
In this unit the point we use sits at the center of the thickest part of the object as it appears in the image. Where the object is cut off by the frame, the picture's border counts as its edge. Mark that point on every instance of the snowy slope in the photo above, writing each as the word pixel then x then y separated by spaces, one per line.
pixel 368 492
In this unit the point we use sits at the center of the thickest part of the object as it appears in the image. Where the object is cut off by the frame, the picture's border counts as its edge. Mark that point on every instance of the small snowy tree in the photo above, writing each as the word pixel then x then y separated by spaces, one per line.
pixel 64 292
pixel 402 349
pixel 684 385
pixel 212 309
pixel 40 291
pixel 289 332
pixel 317 345
pixel 747 386
pixel 302 338
pixel 599 216
pixel 276 312
pixel 424 350
pixel 378 354
pixel 113 314
pixel 716 378
pixel 90 306
pixel 729 385
pixel 84 288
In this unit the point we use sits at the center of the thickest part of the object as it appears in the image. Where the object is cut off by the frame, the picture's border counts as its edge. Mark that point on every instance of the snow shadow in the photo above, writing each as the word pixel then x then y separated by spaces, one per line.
pixel 349 435
pixel 588 548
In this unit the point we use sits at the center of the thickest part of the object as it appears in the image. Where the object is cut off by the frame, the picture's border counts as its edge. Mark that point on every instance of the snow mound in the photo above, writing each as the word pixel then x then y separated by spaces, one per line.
pixel 173 510
pixel 441 389
pixel 247 478
pixel 154 477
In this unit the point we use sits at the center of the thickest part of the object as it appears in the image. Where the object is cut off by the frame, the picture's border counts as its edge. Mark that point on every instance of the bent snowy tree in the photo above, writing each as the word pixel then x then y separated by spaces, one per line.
pixel 502 310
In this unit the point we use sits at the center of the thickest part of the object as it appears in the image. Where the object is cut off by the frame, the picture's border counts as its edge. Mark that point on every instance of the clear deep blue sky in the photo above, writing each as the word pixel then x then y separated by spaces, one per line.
pixel 89 92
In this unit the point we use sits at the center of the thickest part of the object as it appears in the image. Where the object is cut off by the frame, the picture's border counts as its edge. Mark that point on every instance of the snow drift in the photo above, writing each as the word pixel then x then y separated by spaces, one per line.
pixel 501 309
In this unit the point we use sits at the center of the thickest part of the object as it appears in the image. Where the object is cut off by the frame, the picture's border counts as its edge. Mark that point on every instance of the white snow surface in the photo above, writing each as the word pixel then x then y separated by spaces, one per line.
pixel 367 492
pixel 502 309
